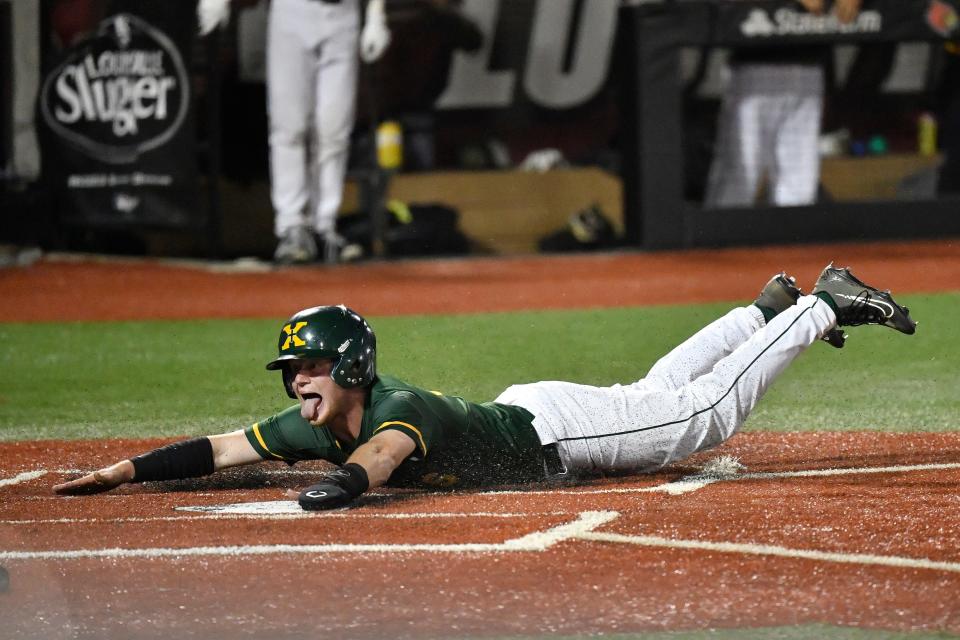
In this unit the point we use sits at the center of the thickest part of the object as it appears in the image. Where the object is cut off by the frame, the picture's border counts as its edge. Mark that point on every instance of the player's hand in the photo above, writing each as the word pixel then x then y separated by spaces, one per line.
pixel 211 13
pixel 813 6
pixel 98 481
pixel 322 496
pixel 374 40
pixel 846 10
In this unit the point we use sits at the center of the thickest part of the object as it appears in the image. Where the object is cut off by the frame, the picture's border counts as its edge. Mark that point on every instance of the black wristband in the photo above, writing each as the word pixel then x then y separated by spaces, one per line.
pixel 351 477
pixel 186 459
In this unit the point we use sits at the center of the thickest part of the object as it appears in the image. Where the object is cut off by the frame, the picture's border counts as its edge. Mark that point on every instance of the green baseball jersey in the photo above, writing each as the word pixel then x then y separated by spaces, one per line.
pixel 458 443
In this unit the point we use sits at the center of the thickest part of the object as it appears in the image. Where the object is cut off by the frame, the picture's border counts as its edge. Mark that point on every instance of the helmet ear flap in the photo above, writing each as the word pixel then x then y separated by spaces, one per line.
pixel 288 380
pixel 357 367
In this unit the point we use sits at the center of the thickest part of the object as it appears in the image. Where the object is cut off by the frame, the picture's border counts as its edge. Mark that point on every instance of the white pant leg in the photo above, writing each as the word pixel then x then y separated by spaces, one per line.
pixel 699 353
pixel 290 77
pixel 796 169
pixel 336 89
pixel 626 428
pixel 310 44
pixel 741 145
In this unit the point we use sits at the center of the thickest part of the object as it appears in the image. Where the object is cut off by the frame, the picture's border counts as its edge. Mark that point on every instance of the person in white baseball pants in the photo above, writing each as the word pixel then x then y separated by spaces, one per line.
pixel 312 66
pixel 312 71
pixel 769 123
pixel 769 126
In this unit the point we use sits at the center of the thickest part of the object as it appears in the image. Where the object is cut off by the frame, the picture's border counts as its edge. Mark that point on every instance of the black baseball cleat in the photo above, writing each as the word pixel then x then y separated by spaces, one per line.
pixel 858 303
pixel 780 293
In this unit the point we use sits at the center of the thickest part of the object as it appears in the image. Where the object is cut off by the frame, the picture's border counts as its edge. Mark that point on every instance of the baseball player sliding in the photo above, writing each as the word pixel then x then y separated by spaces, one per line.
pixel 312 66
pixel 381 429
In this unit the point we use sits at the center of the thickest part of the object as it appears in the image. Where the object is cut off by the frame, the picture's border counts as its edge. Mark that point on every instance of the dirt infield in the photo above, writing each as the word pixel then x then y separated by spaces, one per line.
pixel 854 529
pixel 869 542
pixel 62 289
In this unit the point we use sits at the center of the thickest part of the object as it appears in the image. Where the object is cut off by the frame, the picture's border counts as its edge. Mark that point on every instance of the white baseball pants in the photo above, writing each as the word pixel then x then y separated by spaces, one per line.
pixel 312 63
pixel 769 125
pixel 693 399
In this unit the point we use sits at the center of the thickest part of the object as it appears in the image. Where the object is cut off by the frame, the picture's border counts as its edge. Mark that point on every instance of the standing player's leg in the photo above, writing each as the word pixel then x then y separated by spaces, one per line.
pixel 290 76
pixel 336 90
pixel 796 170
pixel 736 168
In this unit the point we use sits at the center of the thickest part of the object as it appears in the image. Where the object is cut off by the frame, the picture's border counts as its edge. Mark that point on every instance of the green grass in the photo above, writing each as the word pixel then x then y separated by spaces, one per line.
pixel 131 379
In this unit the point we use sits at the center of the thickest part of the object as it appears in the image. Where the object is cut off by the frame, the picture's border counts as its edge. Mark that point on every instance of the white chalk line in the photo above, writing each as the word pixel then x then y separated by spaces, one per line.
pixel 582 528
pixel 258 470
pixel 843 472
pixel 38 473
pixel 26 476
pixel 694 482
pixel 534 542
pixel 299 515
pixel 773 550
pixel 682 485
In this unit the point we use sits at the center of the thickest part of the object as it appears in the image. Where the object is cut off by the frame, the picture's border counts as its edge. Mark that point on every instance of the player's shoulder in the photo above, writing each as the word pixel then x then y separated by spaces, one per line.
pixel 289 417
pixel 390 387
pixel 391 391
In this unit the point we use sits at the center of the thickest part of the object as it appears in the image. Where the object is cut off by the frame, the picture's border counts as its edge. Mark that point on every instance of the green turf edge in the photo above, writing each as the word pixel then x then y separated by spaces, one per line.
pixel 167 378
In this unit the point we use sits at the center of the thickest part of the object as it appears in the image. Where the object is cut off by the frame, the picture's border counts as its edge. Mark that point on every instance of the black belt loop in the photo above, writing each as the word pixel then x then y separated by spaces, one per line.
pixel 553 467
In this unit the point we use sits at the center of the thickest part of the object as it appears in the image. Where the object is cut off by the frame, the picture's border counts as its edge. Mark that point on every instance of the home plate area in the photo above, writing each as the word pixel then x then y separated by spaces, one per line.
pixel 853 529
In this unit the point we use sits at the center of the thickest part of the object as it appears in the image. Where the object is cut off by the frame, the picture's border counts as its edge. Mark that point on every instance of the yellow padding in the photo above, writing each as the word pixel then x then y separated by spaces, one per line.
pixel 423 445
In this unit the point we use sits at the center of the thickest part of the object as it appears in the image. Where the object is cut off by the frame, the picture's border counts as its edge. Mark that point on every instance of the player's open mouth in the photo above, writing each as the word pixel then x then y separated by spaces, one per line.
pixel 310 405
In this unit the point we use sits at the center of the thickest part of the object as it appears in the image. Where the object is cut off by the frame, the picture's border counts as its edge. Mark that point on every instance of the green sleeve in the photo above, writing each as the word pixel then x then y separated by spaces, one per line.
pixel 407 413
pixel 287 436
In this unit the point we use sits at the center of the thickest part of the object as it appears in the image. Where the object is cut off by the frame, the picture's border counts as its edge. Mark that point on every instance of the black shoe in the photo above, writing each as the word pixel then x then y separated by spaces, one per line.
pixel 780 293
pixel 858 303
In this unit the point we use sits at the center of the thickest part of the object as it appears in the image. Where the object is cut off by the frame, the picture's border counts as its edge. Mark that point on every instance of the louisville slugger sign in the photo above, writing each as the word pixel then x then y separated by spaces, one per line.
pixel 121 93
pixel 119 135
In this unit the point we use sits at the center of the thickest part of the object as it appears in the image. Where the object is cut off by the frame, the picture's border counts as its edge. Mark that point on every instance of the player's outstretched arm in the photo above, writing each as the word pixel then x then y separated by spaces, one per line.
pixel 98 481
pixel 185 459
pixel 369 466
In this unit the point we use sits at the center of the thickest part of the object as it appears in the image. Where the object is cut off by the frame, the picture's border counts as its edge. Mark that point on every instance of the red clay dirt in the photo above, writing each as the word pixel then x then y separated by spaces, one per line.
pixel 71 289
pixel 578 585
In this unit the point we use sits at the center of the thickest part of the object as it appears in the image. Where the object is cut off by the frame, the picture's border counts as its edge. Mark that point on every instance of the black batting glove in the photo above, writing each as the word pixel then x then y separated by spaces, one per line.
pixel 338 489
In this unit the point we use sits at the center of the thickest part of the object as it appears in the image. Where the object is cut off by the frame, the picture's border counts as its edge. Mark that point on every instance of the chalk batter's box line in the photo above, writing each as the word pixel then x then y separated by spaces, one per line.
pixel 682 485
pixel 533 542
pixel 296 516
pixel 581 529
